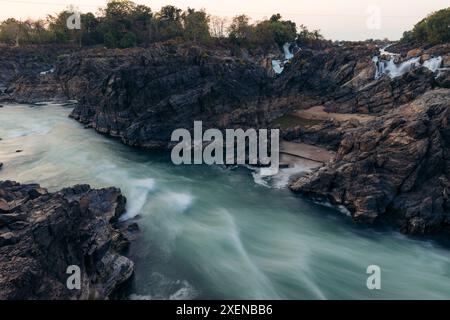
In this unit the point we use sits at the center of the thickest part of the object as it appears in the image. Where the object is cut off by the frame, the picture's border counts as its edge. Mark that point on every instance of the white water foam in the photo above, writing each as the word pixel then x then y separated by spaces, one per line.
pixel 187 292
pixel 433 64
pixel 288 54
pixel 168 289
pixel 138 197
pixel 280 180
pixel 341 208
pixel 179 201
pixel 278 65
pixel 394 70
pixel 43 73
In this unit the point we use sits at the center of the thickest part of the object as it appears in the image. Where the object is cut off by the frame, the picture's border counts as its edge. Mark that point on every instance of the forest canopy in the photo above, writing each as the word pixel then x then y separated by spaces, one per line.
pixel 434 29
pixel 124 24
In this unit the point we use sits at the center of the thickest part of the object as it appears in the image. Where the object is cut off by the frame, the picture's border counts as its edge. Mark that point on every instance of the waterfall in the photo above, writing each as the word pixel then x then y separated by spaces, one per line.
pixel 393 69
pixel 288 54
pixel 278 65
pixel 433 64
pixel 43 73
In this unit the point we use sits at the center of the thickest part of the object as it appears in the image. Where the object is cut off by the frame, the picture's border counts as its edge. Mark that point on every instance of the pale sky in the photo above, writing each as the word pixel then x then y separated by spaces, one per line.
pixel 337 19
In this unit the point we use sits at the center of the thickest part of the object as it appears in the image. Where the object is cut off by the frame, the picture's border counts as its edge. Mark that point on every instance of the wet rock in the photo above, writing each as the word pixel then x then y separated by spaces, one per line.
pixel 45 233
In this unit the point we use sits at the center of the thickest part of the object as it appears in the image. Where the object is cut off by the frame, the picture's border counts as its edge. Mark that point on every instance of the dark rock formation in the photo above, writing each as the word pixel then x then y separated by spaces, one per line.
pixel 317 74
pixel 142 95
pixel 403 48
pixel 443 78
pixel 20 61
pixel 395 168
pixel 343 79
pixel 26 72
pixel 328 134
pixel 379 96
pixel 42 234
pixel 34 88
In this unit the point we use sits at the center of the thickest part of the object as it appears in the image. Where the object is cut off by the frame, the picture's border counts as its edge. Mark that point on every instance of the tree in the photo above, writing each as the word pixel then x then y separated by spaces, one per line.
pixel 196 25
pixel 59 30
pixel 169 23
pixel 128 40
pixel 276 30
pixel 434 29
pixel 218 26
pixel 307 38
pixel 125 24
pixel 115 21
pixel 11 31
pixel 40 32
pixel 240 28
pixel 90 34
pixel 142 18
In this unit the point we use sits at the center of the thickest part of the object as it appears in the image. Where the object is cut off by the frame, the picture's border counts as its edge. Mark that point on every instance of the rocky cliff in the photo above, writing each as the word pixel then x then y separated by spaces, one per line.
pixel 143 95
pixel 395 168
pixel 26 72
pixel 342 78
pixel 43 233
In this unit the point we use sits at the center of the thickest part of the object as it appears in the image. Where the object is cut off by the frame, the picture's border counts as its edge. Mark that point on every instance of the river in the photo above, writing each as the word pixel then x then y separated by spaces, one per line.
pixel 212 232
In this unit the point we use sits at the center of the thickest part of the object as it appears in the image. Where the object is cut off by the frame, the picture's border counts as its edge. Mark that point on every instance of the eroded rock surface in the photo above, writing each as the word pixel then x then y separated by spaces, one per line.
pixel 395 168
pixel 343 80
pixel 26 72
pixel 43 233
pixel 143 95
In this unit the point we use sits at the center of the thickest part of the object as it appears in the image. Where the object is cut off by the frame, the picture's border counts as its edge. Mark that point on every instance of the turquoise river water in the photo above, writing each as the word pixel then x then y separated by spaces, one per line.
pixel 212 232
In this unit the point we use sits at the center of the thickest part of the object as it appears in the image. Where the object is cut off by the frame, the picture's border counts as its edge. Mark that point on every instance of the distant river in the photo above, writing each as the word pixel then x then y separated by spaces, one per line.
pixel 211 232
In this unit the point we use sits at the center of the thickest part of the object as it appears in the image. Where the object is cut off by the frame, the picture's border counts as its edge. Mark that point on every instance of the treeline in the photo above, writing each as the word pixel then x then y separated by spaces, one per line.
pixel 124 24
pixel 434 29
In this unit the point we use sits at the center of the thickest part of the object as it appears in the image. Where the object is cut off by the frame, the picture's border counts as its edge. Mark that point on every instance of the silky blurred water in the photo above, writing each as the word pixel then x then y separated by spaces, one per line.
pixel 211 232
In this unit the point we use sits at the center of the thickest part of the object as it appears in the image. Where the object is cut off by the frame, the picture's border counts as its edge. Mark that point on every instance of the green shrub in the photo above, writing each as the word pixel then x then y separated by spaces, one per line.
pixel 434 29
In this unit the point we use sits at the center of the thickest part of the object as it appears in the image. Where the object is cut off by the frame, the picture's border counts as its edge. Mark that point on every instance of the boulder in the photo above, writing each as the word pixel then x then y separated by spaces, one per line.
pixel 42 234
pixel 414 53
